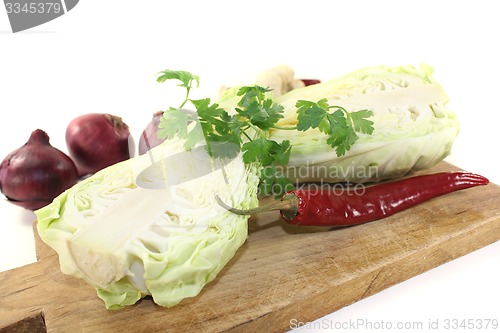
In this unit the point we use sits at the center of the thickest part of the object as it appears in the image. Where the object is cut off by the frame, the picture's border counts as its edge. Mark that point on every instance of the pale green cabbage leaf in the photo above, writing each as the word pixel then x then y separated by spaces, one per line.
pixel 413 127
pixel 129 241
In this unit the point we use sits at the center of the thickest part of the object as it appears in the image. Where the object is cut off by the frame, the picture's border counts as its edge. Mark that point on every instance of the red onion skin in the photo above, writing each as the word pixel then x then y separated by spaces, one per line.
pixel 34 174
pixel 96 141
pixel 310 82
pixel 149 137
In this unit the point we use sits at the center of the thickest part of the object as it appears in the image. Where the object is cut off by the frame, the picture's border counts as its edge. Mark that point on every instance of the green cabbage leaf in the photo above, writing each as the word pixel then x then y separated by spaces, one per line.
pixel 167 240
pixel 413 127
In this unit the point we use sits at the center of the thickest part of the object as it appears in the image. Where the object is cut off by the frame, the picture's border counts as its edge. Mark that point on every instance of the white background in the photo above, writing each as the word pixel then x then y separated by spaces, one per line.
pixel 102 56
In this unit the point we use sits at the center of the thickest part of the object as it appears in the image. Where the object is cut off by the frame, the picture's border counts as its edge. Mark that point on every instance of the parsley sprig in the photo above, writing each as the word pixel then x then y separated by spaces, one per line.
pixel 247 130
pixel 340 125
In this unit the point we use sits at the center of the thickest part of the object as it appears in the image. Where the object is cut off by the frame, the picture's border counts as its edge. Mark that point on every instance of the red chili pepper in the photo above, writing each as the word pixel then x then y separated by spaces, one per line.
pixel 334 207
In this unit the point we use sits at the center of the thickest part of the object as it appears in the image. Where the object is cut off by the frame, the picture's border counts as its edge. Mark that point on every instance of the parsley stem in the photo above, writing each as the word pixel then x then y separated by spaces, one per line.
pixel 285 128
pixel 258 132
pixel 247 136
pixel 338 108
pixel 186 99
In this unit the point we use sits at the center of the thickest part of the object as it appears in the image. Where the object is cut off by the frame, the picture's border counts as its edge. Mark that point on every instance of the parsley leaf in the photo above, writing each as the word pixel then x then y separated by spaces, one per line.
pixel 274 181
pixel 257 109
pixel 360 121
pixel 187 79
pixel 174 122
pixel 282 184
pixel 340 125
pixel 341 136
pixel 266 151
pixel 222 140
pixel 251 93
pixel 310 114
pixel 267 179
pixel 247 130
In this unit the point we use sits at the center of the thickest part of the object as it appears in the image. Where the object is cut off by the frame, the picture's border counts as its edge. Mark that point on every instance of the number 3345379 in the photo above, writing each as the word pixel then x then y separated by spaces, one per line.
pixel 33 8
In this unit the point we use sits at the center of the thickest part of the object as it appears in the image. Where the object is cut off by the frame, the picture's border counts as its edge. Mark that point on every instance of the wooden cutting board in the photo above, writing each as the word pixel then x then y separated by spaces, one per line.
pixel 281 272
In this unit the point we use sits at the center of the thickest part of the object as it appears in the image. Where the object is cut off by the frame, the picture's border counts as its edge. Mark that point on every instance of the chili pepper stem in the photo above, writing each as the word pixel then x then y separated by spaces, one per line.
pixel 288 205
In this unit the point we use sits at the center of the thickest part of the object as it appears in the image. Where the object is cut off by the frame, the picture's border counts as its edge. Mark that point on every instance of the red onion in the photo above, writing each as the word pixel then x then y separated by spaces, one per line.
pixel 98 140
pixel 149 137
pixel 310 82
pixel 33 175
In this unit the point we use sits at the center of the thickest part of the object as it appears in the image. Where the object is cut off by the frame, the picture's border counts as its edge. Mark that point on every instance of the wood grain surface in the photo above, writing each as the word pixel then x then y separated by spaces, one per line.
pixel 281 272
